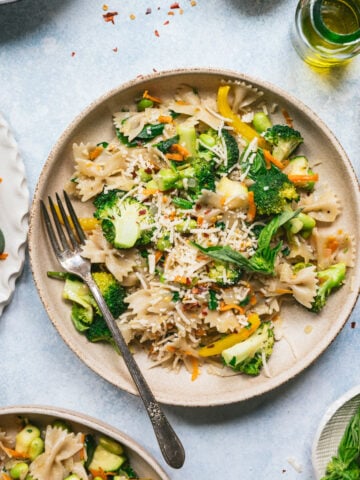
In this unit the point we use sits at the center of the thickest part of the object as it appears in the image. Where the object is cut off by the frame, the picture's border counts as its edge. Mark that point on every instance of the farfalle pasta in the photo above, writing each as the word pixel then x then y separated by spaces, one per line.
pixel 209 217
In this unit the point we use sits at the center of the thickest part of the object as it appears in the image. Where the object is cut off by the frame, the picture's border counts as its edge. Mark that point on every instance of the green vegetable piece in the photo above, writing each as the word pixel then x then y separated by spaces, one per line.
pixel 207 140
pixel 36 448
pixel 187 138
pixel 62 425
pixel 73 476
pixel 272 190
pixel 90 446
pixel 143 175
pixel 105 460
pixel 182 203
pixel 111 445
pixel 247 356
pixel 329 279
pixel 345 465
pixel 284 140
pixel 19 470
pixel 224 275
pixel 213 302
pixel 261 122
pixel 165 145
pixel 125 222
pixel 25 437
pixel 300 166
pixel 2 242
pixel 163 243
pixel 143 104
pixel 166 179
pixel 186 226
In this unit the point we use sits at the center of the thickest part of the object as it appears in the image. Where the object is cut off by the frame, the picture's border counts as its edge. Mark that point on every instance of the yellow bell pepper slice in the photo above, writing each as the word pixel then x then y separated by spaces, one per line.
pixel 87 223
pixel 217 347
pixel 234 120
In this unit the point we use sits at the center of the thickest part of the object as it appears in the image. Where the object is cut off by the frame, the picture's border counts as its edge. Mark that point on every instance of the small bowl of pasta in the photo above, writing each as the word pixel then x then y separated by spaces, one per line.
pixel 45 443
pixel 213 208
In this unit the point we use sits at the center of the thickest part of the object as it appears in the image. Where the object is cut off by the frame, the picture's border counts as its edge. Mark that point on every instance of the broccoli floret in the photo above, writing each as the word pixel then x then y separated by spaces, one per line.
pixel 224 275
pixel 272 191
pixel 211 141
pixel 248 356
pixel 125 222
pixel 85 313
pixel 114 294
pixel 329 279
pixel 199 175
pixel 283 139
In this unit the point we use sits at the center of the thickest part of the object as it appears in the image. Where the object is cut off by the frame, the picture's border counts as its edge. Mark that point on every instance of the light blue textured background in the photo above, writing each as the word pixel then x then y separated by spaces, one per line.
pixel 42 87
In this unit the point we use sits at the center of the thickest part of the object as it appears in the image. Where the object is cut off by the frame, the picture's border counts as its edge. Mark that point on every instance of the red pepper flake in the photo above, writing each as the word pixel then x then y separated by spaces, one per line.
pixel 148 11
pixel 174 5
pixel 109 17
pixel 73 54
pixel 288 119
pixel 157 34
pixel 167 22
pixel 115 49
pixel 353 324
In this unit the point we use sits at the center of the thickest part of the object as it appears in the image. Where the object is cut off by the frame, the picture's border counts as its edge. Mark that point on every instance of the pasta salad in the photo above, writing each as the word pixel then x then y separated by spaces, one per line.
pixel 206 218
pixel 56 452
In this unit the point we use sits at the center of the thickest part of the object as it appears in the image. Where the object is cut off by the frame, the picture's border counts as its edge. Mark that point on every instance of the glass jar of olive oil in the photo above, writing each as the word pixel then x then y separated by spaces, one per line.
pixel 327 32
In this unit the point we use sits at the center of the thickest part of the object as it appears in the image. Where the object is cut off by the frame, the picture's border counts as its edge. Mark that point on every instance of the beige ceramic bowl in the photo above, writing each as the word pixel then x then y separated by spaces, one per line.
pixel 299 346
pixel 141 461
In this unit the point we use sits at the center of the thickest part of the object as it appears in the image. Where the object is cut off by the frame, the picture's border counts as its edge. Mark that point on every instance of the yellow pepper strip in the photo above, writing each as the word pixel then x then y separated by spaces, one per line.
pixel 230 340
pixel 234 120
pixel 87 223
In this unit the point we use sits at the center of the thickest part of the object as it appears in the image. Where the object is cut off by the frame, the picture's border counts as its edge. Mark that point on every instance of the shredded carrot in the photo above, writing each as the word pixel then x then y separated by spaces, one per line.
pixel 14 453
pixel 180 279
pixel 253 300
pixel 288 119
pixel 98 473
pixel 95 153
pixel 170 348
pixel 181 102
pixel 164 199
pixel 150 191
pixel 165 119
pixel 195 368
pixel 3 256
pixel 5 476
pixel 150 97
pixel 231 306
pixel 200 220
pixel 314 177
pixel 158 255
pixel 271 159
pixel 176 147
pixel 332 244
pixel 176 157
pixel 252 207
pixel 172 215
pixel 222 201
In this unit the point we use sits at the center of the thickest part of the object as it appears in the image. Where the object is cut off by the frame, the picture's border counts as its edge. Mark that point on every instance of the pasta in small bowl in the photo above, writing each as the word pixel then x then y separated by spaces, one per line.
pixel 42 443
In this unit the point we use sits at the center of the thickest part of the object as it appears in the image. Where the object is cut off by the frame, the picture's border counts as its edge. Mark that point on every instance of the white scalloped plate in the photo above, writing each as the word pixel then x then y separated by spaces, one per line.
pixel 141 461
pixel 14 201
pixel 332 428
pixel 300 345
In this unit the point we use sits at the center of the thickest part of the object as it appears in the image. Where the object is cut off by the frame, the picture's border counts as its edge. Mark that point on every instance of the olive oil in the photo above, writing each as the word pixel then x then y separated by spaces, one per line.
pixel 327 32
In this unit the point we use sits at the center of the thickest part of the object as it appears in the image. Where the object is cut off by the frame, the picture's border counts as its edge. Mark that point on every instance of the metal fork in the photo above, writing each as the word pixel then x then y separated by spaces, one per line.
pixel 68 252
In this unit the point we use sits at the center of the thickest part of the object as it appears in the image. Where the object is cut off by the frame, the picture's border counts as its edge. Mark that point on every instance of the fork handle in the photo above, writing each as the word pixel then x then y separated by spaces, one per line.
pixel 169 443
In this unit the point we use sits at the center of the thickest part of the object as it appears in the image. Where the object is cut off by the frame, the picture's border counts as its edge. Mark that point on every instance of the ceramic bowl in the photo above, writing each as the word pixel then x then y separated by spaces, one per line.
pixel 305 336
